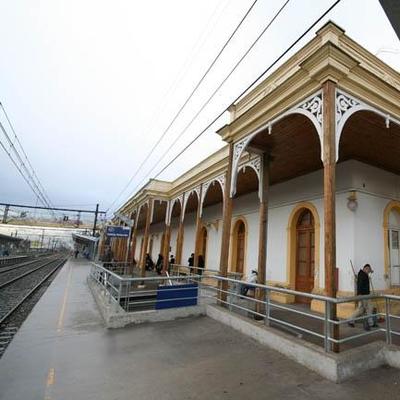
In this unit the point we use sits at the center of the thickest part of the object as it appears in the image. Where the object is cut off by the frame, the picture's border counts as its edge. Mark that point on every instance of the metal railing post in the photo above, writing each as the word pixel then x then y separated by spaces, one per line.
pixel 388 325
pixel 230 299
pixel 267 307
pixel 119 295
pixel 326 326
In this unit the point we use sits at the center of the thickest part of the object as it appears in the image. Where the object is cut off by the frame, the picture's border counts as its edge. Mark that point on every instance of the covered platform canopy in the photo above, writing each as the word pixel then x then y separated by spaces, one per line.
pixel 86 244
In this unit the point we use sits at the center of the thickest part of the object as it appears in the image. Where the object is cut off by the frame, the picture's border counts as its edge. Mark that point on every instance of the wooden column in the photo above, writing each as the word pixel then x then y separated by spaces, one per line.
pixel 146 238
pixel 199 224
pixel 179 243
pixel 329 152
pixel 133 245
pixel 263 229
pixel 132 249
pixel 167 239
pixel 226 226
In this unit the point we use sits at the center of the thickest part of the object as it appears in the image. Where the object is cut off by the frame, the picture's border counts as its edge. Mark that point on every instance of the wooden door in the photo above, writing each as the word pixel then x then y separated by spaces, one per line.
pixel 305 250
pixel 394 255
pixel 240 247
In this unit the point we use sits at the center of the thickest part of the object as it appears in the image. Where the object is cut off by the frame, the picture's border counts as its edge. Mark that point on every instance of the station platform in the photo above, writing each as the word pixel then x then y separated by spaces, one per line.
pixel 63 351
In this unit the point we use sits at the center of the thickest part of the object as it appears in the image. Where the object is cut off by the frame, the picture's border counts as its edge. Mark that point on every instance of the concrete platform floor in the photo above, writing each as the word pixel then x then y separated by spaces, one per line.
pixel 63 352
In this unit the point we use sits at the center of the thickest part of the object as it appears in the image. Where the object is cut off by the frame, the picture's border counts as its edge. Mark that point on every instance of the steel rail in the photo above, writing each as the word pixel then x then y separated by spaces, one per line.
pixel 26 273
pixel 16 266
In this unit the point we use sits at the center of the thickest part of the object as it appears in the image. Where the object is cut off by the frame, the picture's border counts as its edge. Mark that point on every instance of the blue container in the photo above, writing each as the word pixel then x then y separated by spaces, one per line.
pixel 177 296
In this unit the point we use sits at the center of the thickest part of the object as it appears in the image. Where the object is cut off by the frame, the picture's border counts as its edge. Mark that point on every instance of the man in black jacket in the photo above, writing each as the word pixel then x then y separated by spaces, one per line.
pixel 364 306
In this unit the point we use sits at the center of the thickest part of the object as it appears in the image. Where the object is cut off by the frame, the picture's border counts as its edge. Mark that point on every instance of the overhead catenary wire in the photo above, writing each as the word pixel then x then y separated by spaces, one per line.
pixel 24 153
pixel 293 44
pixel 178 113
pixel 19 169
pixel 22 162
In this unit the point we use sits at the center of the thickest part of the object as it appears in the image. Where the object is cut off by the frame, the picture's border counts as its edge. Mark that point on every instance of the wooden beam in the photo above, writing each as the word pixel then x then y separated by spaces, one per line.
pixel 199 224
pixel 146 238
pixel 167 239
pixel 132 250
pixel 179 242
pixel 329 150
pixel 226 227
pixel 263 230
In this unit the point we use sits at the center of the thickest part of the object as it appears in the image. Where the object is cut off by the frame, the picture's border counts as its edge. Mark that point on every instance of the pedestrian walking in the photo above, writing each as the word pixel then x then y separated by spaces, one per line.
pixel 364 306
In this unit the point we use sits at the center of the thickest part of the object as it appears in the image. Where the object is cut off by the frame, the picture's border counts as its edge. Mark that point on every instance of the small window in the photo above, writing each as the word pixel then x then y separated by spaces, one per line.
pixel 395 240
pixel 306 219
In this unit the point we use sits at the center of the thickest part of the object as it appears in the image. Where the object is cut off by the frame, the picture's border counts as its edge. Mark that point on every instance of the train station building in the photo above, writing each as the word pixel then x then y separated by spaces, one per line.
pixel 308 182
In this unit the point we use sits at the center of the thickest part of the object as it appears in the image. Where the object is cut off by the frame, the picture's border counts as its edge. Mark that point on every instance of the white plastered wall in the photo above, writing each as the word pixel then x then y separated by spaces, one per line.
pixel 156 232
pixel 189 236
pixel 212 219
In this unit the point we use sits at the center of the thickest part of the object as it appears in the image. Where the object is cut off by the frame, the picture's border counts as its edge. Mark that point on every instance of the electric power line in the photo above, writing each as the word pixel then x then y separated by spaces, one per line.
pixel 244 91
pixel 186 101
pixel 215 91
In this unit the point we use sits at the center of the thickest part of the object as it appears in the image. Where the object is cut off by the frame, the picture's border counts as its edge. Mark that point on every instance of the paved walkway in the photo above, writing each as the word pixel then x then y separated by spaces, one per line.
pixel 63 352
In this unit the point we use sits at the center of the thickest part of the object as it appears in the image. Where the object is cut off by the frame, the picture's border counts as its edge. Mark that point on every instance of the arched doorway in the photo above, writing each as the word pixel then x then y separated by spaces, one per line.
pixel 394 246
pixel 391 239
pixel 238 247
pixel 305 254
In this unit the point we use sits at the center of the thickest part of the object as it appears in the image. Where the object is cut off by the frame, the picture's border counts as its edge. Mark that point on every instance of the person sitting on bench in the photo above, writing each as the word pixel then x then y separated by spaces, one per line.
pixel 251 279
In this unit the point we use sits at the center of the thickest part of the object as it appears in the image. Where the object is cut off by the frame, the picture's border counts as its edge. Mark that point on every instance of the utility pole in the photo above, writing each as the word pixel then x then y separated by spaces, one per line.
pixel 96 213
pixel 41 242
pixel 5 213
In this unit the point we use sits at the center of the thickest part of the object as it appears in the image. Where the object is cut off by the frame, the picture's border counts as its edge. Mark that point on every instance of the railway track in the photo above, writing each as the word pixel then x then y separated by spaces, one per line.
pixel 13 260
pixel 11 271
pixel 17 289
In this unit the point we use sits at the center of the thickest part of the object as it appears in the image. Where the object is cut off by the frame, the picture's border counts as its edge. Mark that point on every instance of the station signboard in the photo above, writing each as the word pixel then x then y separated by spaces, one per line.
pixel 118 231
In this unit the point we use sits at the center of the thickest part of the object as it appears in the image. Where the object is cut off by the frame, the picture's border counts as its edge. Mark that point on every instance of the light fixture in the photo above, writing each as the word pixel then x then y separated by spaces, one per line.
pixel 352 203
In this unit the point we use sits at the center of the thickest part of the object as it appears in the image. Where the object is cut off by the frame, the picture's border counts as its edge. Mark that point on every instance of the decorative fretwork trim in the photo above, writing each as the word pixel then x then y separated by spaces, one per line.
pixel 219 179
pixel 311 107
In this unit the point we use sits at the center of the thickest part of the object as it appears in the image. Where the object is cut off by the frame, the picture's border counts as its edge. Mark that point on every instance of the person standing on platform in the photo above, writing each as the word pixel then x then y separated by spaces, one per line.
pixel 364 306
pixel 191 263
pixel 171 262
pixel 149 264
pixel 159 264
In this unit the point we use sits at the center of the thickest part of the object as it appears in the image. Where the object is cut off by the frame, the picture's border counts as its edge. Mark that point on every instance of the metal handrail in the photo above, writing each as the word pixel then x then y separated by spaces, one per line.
pixel 115 285
pixel 120 289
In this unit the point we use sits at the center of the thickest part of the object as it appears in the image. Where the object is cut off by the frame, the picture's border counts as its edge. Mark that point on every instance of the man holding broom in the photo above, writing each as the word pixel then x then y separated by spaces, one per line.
pixel 364 306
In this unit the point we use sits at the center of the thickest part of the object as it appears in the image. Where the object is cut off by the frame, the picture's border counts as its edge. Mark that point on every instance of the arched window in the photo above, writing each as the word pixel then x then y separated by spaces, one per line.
pixel 394 246
pixel 239 247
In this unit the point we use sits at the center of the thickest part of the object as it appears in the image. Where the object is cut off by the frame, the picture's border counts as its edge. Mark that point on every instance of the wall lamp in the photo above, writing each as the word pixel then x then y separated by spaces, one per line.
pixel 352 203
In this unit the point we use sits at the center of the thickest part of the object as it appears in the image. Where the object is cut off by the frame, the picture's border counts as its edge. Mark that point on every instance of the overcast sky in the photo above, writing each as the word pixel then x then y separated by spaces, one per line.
pixel 91 85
